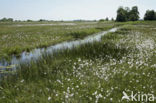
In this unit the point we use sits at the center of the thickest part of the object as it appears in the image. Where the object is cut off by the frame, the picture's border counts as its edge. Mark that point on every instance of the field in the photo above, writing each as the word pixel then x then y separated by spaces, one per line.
pixel 96 72
pixel 24 36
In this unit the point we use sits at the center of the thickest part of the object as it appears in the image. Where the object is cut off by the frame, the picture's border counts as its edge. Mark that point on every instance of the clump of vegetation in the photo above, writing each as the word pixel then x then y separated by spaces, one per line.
pixel 81 34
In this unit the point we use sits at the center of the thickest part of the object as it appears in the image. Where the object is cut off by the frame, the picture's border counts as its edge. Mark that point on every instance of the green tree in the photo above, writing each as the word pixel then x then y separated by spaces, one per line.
pixel 127 11
pixel 107 19
pixel 150 15
pixel 4 19
pixel 7 20
pixel 29 20
pixel 101 20
pixel 125 14
pixel 121 14
pixel 134 14
pixel 10 20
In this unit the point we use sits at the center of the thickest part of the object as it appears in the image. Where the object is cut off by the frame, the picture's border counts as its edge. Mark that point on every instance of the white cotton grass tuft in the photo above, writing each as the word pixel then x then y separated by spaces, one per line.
pixel 49 98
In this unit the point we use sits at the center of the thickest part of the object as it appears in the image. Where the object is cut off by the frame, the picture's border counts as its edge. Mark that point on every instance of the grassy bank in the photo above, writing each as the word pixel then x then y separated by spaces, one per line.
pixel 94 73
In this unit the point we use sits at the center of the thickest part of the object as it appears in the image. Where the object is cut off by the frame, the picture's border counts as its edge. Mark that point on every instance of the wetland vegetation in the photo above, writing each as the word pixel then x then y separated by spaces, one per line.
pixel 94 72
pixel 24 36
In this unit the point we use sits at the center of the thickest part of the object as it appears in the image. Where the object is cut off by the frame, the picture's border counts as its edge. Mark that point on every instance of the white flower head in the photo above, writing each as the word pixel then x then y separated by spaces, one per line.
pixel 49 98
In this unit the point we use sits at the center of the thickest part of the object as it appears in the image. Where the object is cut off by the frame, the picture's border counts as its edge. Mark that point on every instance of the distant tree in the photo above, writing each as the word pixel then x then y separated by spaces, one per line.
pixel 112 19
pixel 125 14
pixel 10 20
pixel 7 20
pixel 121 14
pixel 29 20
pixel 150 15
pixel 4 19
pixel 134 14
pixel 63 21
pixel 101 20
pixel 107 19
pixel 41 20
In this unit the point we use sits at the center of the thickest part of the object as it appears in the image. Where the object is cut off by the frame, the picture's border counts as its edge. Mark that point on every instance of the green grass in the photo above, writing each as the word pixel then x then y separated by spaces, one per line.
pixel 95 72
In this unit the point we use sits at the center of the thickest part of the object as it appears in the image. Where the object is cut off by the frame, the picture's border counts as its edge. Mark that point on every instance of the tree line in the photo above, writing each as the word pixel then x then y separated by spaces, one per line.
pixel 123 15
pixel 6 20
pixel 127 14
pixel 12 20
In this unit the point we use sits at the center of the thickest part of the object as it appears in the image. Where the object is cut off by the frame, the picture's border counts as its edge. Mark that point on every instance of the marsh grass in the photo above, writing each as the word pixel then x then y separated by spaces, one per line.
pixel 16 39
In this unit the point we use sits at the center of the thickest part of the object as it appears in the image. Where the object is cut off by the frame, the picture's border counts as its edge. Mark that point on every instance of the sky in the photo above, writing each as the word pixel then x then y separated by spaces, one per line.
pixel 69 9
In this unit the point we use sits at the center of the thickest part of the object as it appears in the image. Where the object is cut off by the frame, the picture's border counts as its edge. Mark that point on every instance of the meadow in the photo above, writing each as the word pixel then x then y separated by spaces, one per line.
pixel 17 37
pixel 96 72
